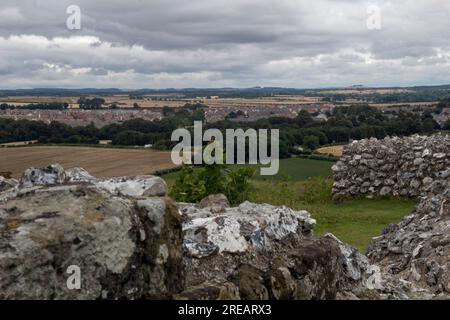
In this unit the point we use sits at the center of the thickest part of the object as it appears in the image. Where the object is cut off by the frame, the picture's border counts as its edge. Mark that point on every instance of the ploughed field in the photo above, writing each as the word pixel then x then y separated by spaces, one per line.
pixel 100 162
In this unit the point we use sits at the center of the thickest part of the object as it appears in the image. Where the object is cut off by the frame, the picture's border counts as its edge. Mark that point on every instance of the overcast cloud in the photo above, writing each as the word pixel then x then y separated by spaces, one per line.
pixel 218 43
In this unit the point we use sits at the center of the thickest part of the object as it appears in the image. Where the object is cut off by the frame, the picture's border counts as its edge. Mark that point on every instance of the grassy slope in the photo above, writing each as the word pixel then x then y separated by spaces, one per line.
pixel 304 184
pixel 354 222
pixel 298 169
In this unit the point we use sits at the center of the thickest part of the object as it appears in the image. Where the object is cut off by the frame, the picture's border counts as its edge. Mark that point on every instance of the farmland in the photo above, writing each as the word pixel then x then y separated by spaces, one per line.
pixel 333 150
pixel 160 101
pixel 100 162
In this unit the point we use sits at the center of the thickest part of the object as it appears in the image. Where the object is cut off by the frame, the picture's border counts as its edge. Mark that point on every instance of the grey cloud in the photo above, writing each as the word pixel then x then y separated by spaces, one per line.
pixel 173 43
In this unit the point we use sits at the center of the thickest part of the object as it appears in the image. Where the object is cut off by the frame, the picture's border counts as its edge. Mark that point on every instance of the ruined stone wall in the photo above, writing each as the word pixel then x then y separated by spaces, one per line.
pixel 392 166
pixel 120 237
pixel 416 251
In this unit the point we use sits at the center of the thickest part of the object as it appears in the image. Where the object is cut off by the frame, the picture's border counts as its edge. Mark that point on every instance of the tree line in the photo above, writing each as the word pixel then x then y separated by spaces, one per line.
pixel 37 106
pixel 297 135
pixel 135 132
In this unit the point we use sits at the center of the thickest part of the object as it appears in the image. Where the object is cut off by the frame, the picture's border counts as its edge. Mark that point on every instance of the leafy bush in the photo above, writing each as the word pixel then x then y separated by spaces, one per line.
pixel 238 186
pixel 188 186
pixel 193 185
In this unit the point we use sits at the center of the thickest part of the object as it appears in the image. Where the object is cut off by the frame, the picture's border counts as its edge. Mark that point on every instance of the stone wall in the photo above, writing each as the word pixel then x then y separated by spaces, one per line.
pixel 260 251
pixel 120 237
pixel 416 252
pixel 392 166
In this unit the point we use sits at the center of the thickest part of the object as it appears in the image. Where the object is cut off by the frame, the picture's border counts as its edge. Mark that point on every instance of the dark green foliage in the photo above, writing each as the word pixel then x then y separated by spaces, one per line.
pixel 37 106
pixel 135 132
pixel 193 185
pixel 345 123
pixel 91 104
pixel 311 142
pixel 188 186
pixel 238 186
pixel 130 137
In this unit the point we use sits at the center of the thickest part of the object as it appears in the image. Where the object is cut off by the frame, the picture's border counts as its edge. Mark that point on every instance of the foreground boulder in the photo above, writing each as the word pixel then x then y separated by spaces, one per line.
pixel 120 238
pixel 138 186
pixel 260 252
pixel 218 202
pixel 7 184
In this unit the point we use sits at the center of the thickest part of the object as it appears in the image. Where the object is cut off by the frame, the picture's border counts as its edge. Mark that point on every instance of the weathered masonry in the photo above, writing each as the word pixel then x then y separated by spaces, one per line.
pixel 392 166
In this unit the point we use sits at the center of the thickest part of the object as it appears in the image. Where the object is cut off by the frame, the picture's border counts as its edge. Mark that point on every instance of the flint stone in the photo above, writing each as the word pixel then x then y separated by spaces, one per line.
pixel 439 155
pixel 385 191
pixel 7 184
pixel 215 200
pixel 140 186
pixel 51 175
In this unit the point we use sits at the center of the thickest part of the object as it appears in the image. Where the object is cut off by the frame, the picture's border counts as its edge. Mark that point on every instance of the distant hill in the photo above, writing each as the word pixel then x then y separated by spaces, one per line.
pixel 414 93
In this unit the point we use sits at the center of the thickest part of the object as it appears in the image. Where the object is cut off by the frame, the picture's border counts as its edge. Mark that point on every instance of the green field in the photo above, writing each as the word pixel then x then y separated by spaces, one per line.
pixel 298 169
pixel 293 169
pixel 304 184
pixel 354 222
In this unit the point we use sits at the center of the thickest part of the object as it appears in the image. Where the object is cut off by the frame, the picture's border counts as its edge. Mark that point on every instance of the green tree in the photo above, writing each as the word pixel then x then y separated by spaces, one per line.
pixel 311 142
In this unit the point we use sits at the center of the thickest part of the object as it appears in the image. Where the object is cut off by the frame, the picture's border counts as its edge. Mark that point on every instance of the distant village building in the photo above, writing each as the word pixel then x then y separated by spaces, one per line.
pixel 77 117
pixel 322 117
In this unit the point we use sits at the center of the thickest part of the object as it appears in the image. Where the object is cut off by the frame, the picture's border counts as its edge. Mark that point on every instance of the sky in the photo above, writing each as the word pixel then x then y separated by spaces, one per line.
pixel 223 43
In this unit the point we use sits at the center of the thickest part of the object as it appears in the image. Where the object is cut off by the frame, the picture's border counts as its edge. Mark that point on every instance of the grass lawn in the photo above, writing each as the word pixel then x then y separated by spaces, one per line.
pixel 299 169
pixel 354 222
pixel 357 221
pixel 304 184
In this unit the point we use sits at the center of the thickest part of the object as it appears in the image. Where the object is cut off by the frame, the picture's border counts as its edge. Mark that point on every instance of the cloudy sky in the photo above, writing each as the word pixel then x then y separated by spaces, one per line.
pixel 224 43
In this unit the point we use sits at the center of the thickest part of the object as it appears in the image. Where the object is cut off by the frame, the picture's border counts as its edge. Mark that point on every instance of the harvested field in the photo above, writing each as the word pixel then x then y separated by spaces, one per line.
pixel 100 162
pixel 362 91
pixel 333 150
pixel 148 101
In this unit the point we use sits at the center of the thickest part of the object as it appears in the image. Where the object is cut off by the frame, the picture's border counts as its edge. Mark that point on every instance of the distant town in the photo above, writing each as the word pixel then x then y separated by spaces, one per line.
pixel 104 107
